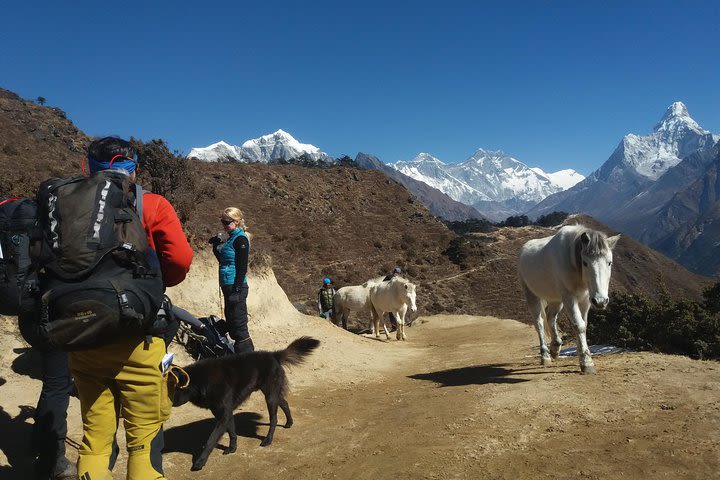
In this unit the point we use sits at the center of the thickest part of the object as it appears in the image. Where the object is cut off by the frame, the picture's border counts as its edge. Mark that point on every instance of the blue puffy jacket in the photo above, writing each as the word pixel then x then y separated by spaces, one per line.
pixel 228 257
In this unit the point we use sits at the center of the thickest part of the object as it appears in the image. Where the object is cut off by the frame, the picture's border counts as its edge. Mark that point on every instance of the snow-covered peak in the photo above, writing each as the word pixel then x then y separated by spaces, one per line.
pixel 423 157
pixel 218 151
pixel 281 137
pixel 276 146
pixel 487 175
pixel 564 178
pixel 677 109
pixel 676 136
pixel 677 117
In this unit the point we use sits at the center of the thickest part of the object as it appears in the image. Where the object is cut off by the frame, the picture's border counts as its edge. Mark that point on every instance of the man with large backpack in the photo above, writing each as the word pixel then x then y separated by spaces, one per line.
pixel 115 290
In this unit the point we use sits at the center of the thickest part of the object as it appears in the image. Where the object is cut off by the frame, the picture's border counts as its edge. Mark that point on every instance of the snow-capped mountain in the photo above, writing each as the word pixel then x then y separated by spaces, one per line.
pixel 439 203
pixel 637 162
pixel 216 152
pixel 564 178
pixel 277 146
pixel 434 172
pixel 487 176
pixel 675 137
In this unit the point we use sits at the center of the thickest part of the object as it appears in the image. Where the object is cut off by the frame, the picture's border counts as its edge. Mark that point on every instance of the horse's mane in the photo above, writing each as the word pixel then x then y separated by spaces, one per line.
pixel 373 281
pixel 597 245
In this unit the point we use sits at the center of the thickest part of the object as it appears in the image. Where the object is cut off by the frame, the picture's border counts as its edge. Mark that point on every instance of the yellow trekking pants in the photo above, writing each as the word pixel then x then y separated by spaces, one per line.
pixel 122 377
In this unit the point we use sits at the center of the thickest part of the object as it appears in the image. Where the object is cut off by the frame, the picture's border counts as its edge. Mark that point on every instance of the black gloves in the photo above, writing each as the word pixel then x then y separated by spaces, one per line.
pixel 215 240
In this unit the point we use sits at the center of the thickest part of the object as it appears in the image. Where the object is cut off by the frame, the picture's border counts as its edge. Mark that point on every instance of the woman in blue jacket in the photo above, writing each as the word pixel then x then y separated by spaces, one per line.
pixel 233 256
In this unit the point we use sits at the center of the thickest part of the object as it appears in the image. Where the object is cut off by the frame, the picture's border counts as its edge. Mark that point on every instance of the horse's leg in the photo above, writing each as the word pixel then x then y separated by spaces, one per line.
pixel 589 364
pixel 577 309
pixel 400 317
pixel 375 321
pixel 344 316
pixel 398 327
pixel 384 325
pixel 551 312
pixel 538 312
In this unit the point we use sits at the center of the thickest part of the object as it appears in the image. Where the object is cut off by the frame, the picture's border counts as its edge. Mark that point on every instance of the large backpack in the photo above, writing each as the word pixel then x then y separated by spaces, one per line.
pixel 98 278
pixel 17 219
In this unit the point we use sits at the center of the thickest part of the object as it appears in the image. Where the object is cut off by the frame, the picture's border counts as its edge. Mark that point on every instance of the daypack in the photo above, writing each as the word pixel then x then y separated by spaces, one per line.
pixel 207 342
pixel 98 278
pixel 17 218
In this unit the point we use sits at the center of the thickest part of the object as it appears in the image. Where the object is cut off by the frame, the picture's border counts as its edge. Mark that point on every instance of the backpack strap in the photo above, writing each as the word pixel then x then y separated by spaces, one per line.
pixel 138 200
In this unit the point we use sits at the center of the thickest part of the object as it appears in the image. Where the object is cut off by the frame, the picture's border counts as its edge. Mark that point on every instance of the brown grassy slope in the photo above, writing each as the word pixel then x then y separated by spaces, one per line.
pixel 35 143
pixel 354 224
pixel 348 223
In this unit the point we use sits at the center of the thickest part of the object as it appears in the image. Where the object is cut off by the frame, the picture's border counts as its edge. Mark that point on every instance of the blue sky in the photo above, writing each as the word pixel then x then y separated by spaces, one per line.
pixel 554 84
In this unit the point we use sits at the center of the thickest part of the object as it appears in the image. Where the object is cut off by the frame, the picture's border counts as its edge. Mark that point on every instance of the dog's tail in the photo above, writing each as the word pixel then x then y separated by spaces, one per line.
pixel 296 352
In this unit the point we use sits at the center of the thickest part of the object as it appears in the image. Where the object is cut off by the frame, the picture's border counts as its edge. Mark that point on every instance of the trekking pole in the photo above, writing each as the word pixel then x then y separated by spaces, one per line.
pixel 222 303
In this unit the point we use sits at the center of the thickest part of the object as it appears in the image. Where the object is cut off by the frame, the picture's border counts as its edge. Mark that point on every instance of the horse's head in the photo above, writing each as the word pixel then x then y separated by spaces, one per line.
pixel 410 295
pixel 595 258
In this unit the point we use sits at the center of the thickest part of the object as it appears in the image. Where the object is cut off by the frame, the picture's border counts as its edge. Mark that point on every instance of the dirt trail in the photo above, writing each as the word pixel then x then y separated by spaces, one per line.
pixel 475 404
pixel 464 397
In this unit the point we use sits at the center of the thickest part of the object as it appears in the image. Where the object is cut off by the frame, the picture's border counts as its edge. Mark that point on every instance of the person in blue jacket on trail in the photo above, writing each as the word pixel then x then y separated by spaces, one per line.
pixel 233 255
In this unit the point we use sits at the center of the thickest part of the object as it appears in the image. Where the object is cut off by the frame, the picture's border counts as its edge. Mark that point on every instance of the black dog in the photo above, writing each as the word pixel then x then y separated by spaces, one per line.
pixel 222 384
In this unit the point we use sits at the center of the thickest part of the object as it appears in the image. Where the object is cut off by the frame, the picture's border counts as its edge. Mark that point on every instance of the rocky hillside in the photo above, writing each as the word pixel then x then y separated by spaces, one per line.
pixel 340 221
pixel 35 143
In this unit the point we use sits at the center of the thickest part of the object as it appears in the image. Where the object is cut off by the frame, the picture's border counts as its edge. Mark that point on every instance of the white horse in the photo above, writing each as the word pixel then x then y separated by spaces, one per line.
pixel 352 298
pixel 395 296
pixel 572 269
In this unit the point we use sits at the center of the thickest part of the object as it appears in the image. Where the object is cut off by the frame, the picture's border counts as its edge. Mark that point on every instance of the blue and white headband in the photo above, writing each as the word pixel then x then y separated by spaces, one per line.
pixel 117 162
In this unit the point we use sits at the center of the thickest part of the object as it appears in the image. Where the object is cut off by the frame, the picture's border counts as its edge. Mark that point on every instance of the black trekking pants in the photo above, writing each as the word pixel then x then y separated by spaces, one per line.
pixel 50 428
pixel 237 317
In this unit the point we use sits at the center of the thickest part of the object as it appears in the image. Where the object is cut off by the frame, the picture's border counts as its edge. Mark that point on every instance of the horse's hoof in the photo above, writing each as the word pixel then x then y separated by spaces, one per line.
pixel 588 369
pixel 229 450
pixel 546 361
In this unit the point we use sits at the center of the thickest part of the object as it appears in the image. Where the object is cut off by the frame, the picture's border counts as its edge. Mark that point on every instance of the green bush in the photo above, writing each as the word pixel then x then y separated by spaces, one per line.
pixel 678 327
pixel 551 219
pixel 169 174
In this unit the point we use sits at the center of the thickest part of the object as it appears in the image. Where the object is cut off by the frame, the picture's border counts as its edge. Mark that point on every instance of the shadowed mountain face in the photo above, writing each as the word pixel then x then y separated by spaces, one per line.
pixel 440 204
pixel 340 221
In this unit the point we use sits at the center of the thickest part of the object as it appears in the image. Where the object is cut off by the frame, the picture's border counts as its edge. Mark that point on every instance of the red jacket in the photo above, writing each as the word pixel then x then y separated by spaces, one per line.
pixel 166 236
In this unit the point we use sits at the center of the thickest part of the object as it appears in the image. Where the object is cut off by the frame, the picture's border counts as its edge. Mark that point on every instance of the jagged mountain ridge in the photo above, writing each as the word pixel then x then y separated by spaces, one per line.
pixel 437 202
pixel 492 181
pixel 274 147
pixel 637 162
